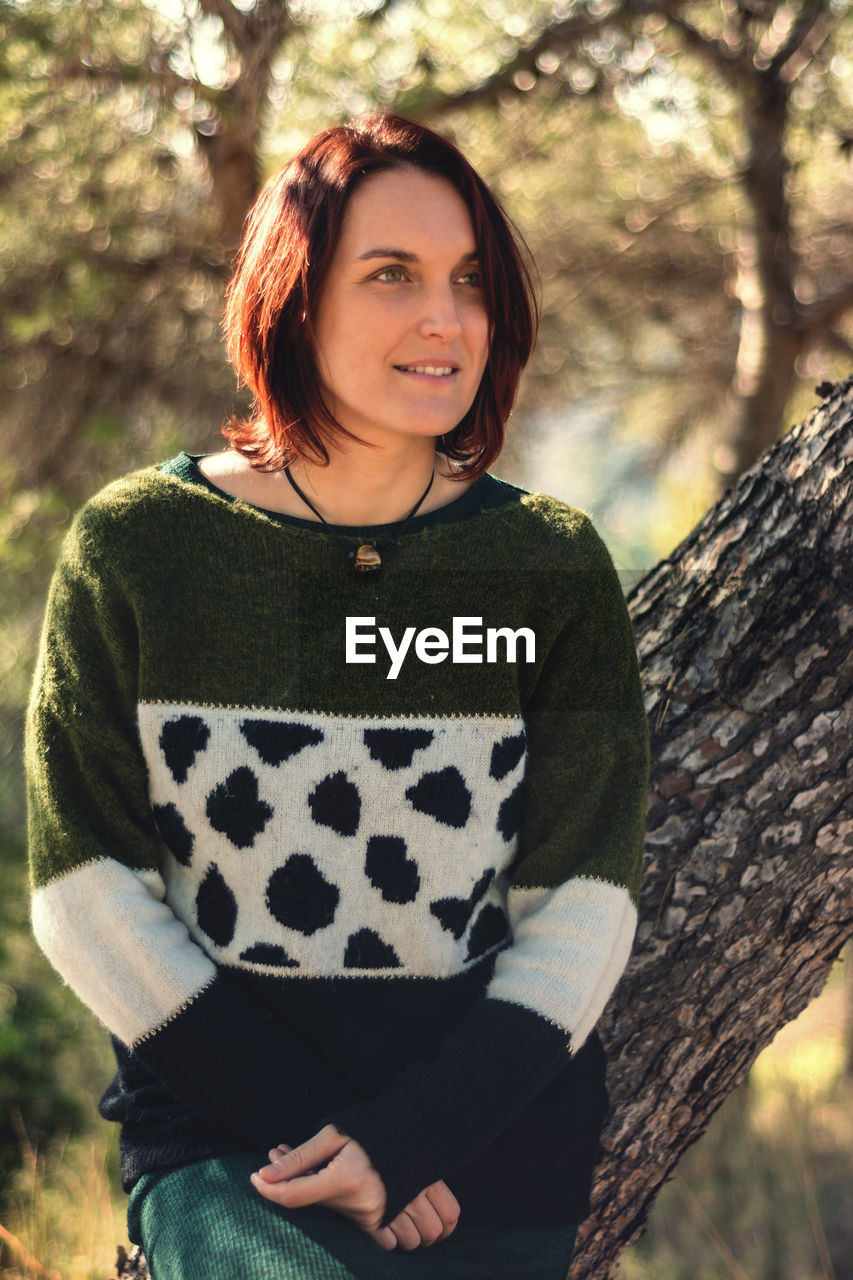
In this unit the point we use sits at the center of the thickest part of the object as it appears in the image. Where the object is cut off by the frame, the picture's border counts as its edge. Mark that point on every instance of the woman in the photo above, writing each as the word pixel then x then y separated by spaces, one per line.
pixel 337 763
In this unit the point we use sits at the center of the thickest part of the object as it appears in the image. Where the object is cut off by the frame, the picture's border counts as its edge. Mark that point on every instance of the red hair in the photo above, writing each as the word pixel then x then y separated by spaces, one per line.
pixel 290 237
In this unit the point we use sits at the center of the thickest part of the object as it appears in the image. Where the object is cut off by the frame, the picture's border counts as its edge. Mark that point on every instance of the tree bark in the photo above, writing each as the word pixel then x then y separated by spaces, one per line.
pixel 744 642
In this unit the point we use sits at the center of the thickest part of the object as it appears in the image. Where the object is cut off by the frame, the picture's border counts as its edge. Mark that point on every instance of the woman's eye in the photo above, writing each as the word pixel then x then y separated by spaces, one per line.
pixel 390 275
pixel 472 279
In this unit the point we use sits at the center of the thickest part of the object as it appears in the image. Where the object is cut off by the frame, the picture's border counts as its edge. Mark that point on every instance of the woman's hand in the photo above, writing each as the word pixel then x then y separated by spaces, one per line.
pixel 329 1169
pixel 332 1169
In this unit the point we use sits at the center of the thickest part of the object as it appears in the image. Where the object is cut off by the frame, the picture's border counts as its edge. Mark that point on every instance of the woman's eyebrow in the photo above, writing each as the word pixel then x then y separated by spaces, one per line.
pixel 403 255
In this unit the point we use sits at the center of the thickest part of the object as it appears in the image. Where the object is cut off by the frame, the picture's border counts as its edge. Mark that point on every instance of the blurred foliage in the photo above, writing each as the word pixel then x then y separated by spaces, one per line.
pixel 63 1210
pixel 110 274
pixel 124 125
pixel 52 1051
pixel 620 156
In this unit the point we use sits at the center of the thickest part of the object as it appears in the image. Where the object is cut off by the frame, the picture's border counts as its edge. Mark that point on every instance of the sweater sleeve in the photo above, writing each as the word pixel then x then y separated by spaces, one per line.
pixel 572 901
pixel 97 904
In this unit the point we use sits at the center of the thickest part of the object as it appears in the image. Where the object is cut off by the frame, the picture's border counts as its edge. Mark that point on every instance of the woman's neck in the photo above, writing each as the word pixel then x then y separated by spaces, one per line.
pixel 363 487
pixel 368 486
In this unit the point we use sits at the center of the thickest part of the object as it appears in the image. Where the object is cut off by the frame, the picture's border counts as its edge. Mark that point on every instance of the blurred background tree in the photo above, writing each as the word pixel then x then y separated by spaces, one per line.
pixel 682 172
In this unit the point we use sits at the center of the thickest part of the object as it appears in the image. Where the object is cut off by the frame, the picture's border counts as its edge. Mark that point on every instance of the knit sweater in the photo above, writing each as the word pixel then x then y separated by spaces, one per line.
pixel 302 888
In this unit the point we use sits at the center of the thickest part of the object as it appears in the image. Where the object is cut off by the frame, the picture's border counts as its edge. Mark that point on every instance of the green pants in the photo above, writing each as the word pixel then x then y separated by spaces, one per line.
pixel 206 1222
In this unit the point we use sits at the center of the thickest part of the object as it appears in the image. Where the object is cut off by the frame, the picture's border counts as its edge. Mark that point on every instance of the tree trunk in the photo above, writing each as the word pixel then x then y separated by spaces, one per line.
pixel 744 643
pixel 771 336
pixel 229 140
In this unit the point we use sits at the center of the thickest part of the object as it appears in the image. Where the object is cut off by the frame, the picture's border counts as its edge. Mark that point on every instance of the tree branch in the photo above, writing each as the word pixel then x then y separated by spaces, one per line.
pixel 233 20
pixel 270 19
pixel 731 64
pixel 807 35
pixel 212 264
pixel 156 74
pixel 559 37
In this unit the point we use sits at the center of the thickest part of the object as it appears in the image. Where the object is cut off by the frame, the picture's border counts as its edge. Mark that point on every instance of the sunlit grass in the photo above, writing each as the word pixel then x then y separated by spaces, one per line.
pixel 65 1210
pixel 808 1056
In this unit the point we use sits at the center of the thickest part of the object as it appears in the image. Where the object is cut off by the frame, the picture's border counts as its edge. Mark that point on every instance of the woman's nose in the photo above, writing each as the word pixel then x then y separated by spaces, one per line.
pixel 440 317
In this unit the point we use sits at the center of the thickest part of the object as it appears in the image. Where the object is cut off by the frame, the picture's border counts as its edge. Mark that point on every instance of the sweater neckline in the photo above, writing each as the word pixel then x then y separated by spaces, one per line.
pixel 486 491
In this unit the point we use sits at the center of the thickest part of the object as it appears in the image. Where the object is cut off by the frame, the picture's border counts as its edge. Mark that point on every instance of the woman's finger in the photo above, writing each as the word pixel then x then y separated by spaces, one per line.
pixel 288 1163
pixel 296 1190
pixel 427 1220
pixel 405 1230
pixel 317 1151
pixel 277 1170
pixel 385 1238
pixel 446 1206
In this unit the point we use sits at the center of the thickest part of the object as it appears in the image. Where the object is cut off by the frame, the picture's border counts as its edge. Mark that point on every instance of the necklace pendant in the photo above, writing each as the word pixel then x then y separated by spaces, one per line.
pixel 367 559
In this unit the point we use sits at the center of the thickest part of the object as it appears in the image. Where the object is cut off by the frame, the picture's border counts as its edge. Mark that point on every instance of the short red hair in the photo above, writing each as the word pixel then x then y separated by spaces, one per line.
pixel 290 237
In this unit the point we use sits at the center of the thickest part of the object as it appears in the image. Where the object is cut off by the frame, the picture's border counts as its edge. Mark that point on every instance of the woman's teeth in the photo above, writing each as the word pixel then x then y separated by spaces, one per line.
pixel 434 370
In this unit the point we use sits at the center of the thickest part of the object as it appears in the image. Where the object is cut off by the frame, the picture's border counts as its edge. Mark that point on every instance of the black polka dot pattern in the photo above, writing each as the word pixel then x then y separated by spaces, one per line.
pixel 216 907
pixel 300 897
pixel 175 833
pixel 366 950
pixel 294 840
pixel 453 914
pixel 442 795
pixel 335 803
pixel 235 809
pixel 268 953
pixel 277 740
pixel 181 740
pixel 506 755
pixel 395 748
pixel 509 814
pixel 390 871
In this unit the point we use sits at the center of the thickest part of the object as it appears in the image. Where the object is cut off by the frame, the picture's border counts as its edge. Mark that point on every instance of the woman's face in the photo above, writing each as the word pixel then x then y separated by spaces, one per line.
pixel 401 325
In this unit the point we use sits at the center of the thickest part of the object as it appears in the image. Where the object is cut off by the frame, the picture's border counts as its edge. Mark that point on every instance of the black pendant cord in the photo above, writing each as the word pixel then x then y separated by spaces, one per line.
pixel 367 558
